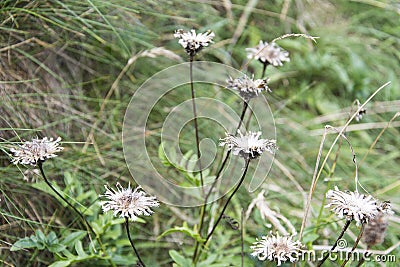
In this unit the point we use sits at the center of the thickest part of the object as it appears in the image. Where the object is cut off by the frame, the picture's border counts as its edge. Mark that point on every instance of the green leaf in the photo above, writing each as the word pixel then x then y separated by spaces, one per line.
pixel 185 230
pixel 55 248
pixel 26 242
pixel 161 155
pixel 79 249
pixel 61 263
pixel 179 259
pixel 72 238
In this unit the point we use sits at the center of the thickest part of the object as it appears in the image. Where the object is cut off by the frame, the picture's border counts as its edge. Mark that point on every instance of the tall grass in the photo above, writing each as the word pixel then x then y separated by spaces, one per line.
pixel 58 77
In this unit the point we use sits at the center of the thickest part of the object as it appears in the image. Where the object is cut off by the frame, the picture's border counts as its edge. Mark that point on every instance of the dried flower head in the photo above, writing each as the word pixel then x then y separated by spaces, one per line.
pixel 31 152
pixel 193 42
pixel 276 248
pixel 268 53
pixel 248 146
pixel 352 205
pixel 374 232
pixel 128 203
pixel 248 87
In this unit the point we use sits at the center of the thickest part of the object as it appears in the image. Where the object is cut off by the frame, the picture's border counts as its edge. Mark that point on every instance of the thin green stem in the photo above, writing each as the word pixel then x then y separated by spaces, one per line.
pixel 130 240
pixel 264 69
pixel 336 242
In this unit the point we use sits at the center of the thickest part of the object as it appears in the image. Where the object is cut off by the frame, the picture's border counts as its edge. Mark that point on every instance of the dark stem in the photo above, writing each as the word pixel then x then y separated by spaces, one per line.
pixel 245 106
pixel 229 199
pixel 40 164
pixel 336 242
pixel 355 245
pixel 196 129
pixel 241 237
pixel 264 68
pixel 130 240
pixel 65 200
pixel 363 258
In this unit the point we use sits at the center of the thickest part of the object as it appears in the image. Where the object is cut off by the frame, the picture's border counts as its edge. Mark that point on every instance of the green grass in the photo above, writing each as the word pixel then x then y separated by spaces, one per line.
pixel 59 60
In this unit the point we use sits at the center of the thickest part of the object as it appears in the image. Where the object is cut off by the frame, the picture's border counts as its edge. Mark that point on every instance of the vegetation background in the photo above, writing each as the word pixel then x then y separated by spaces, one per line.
pixel 69 68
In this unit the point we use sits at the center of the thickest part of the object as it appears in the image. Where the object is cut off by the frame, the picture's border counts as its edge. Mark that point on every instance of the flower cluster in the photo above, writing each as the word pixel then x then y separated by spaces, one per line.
pixel 248 87
pixel 193 42
pixel 128 203
pixel 268 53
pixel 355 206
pixel 276 248
pixel 31 152
pixel 248 146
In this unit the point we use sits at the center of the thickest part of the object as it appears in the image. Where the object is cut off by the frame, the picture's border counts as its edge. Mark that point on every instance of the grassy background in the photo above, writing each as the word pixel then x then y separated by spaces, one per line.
pixel 65 72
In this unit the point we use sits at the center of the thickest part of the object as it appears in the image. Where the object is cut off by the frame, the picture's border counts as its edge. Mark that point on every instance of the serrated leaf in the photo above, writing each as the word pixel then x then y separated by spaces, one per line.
pixel 179 259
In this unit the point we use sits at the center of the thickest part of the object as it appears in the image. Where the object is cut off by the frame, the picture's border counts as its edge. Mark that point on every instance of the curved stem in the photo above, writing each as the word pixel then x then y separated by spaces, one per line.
pixel 264 68
pixel 227 202
pixel 355 245
pixel 130 240
pixel 88 226
pixel 336 242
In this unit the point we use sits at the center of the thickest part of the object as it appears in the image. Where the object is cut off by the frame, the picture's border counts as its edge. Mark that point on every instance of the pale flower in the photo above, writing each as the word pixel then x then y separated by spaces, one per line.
pixel 248 87
pixel 128 203
pixel 276 248
pixel 193 42
pixel 248 146
pixel 268 53
pixel 353 205
pixel 37 150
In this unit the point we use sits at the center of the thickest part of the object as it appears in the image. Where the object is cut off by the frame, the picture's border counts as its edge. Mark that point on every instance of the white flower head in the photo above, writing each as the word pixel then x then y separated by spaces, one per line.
pixel 248 87
pixel 276 248
pixel 193 42
pixel 128 203
pixel 248 146
pixel 37 150
pixel 268 53
pixel 352 205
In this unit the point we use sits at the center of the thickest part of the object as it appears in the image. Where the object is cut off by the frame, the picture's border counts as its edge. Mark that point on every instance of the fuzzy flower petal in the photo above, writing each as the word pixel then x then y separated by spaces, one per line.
pixel 248 146
pixel 193 42
pixel 353 205
pixel 248 87
pixel 276 248
pixel 268 53
pixel 128 203
pixel 31 152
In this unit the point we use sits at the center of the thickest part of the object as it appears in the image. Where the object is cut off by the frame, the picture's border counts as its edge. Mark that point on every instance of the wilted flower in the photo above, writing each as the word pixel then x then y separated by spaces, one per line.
pixel 353 205
pixel 374 232
pixel 276 248
pixel 248 87
pixel 128 203
pixel 268 53
pixel 31 152
pixel 248 146
pixel 193 42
